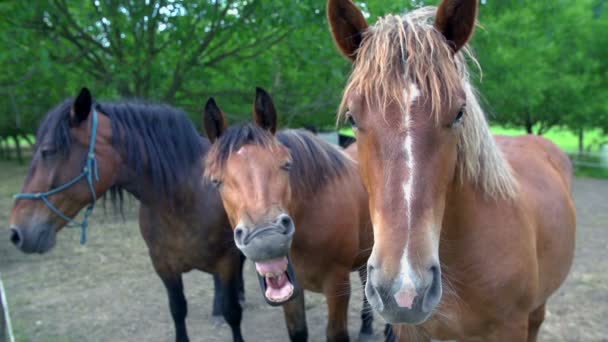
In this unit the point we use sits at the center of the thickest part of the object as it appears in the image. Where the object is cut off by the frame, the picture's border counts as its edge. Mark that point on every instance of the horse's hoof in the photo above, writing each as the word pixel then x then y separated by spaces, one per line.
pixel 365 337
pixel 217 321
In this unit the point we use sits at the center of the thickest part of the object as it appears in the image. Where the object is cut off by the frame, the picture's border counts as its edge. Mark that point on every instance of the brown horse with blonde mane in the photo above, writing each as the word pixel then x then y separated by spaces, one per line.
pixel 473 233
pixel 294 202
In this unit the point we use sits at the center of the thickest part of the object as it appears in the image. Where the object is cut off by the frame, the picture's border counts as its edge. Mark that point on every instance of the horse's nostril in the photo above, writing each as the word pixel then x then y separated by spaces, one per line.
pixel 286 222
pixel 239 233
pixel 16 237
pixel 435 275
pixel 433 292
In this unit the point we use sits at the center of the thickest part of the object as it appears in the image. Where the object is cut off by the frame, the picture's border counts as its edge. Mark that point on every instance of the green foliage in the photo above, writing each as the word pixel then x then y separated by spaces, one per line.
pixel 543 61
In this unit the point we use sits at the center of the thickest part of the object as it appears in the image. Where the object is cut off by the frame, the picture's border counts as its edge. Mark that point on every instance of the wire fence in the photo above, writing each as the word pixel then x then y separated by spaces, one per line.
pixel 597 160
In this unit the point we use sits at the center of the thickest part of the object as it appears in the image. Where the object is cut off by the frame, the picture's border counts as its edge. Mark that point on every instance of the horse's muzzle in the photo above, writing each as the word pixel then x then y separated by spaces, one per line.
pixel 270 241
pixel 404 304
pixel 36 239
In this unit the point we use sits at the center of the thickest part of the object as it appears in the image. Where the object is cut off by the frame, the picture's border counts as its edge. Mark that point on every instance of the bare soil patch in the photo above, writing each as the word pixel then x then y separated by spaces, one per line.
pixel 107 290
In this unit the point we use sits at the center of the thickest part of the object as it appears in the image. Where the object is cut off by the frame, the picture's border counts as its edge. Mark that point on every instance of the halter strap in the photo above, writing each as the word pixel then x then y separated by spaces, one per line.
pixel 90 172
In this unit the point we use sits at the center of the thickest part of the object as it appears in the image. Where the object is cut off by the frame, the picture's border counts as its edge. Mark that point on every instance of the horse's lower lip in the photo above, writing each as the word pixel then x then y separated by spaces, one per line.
pixel 394 314
pixel 290 293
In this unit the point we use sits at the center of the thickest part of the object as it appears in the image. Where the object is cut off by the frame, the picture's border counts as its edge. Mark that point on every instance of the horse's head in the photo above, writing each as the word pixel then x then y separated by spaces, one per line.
pixel 407 101
pixel 62 152
pixel 251 170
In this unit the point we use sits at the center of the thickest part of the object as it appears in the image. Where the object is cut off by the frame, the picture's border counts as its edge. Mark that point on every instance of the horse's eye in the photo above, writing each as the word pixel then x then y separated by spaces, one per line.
pixel 458 119
pixel 286 166
pixel 216 183
pixel 48 152
pixel 351 119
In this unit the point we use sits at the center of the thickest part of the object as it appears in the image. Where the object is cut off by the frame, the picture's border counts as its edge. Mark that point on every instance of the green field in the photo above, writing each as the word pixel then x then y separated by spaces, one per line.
pixel 22 141
pixel 565 139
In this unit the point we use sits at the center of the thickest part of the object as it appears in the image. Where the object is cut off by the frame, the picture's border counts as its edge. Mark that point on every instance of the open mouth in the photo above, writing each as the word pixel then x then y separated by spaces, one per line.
pixel 277 280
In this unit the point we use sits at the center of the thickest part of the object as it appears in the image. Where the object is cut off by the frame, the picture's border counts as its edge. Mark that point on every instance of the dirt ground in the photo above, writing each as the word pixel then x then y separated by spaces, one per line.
pixel 108 291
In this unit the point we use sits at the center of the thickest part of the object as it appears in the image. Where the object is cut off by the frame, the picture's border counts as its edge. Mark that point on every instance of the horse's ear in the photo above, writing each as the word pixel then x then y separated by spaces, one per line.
pixel 214 120
pixel 456 21
pixel 81 107
pixel 264 112
pixel 347 25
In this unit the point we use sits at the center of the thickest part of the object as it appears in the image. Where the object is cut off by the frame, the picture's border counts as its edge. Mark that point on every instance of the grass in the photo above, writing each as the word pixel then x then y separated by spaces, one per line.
pixel 563 138
pixel 23 142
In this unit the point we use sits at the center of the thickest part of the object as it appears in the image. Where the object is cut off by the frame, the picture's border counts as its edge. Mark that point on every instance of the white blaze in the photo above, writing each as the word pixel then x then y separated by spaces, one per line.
pixel 408 186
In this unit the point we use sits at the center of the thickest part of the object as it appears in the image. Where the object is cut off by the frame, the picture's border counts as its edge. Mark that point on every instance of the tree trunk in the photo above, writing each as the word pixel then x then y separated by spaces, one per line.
pixel 581 141
pixel 18 149
pixel 29 140
pixel 7 148
pixel 529 126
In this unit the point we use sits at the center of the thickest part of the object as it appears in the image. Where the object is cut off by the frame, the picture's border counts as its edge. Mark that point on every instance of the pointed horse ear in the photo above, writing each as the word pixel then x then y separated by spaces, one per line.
pixel 456 21
pixel 264 112
pixel 81 107
pixel 213 120
pixel 347 24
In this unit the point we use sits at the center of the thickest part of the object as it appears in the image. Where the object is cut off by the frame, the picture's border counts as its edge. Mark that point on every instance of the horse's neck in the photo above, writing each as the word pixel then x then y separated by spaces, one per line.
pixel 185 194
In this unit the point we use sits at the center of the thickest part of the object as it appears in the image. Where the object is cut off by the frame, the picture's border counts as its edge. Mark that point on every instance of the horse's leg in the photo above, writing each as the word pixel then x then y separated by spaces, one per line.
pixel 337 294
pixel 367 316
pixel 295 317
pixel 389 334
pixel 534 321
pixel 242 279
pixel 177 302
pixel 229 273
pixel 217 317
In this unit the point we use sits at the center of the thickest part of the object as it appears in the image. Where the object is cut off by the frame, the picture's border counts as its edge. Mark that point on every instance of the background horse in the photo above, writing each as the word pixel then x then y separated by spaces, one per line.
pixel 152 152
pixel 291 196
pixel 472 234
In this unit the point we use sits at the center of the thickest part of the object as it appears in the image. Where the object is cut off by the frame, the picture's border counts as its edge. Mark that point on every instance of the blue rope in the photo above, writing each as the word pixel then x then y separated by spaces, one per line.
pixel 90 172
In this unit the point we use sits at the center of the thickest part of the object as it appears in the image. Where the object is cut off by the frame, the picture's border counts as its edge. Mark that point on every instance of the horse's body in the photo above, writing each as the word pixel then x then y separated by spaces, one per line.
pixel 304 180
pixel 472 234
pixel 503 265
pixel 154 153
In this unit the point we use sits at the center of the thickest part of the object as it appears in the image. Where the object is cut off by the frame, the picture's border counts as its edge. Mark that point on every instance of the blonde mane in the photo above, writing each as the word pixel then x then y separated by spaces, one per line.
pixel 400 50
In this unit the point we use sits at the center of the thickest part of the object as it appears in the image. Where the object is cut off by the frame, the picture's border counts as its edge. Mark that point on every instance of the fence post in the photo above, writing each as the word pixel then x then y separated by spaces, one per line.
pixel 6 330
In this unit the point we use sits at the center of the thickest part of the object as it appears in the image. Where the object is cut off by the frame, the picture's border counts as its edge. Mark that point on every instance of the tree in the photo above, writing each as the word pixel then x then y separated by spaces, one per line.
pixel 540 68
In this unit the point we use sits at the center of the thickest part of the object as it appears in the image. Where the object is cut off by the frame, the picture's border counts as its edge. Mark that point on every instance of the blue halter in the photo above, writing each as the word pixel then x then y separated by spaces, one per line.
pixel 90 172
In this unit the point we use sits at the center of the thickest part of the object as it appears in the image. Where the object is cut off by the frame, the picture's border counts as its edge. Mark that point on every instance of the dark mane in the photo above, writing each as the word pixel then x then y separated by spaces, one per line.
pixel 157 141
pixel 315 162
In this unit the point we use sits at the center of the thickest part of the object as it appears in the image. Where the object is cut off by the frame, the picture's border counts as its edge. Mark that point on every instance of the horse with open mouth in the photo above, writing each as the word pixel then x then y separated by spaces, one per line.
pixel 298 209
pixel 85 149
pixel 472 233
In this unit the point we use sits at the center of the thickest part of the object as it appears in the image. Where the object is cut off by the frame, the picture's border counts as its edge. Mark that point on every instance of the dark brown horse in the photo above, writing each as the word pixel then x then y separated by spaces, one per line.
pixel 292 198
pixel 472 233
pixel 152 152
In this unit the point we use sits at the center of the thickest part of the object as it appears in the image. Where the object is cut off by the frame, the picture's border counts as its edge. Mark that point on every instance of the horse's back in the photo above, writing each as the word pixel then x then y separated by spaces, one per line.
pixel 544 175
pixel 543 149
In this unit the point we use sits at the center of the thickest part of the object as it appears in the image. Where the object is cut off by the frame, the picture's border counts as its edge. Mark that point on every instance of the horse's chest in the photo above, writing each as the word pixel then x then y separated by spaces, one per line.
pixel 184 247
